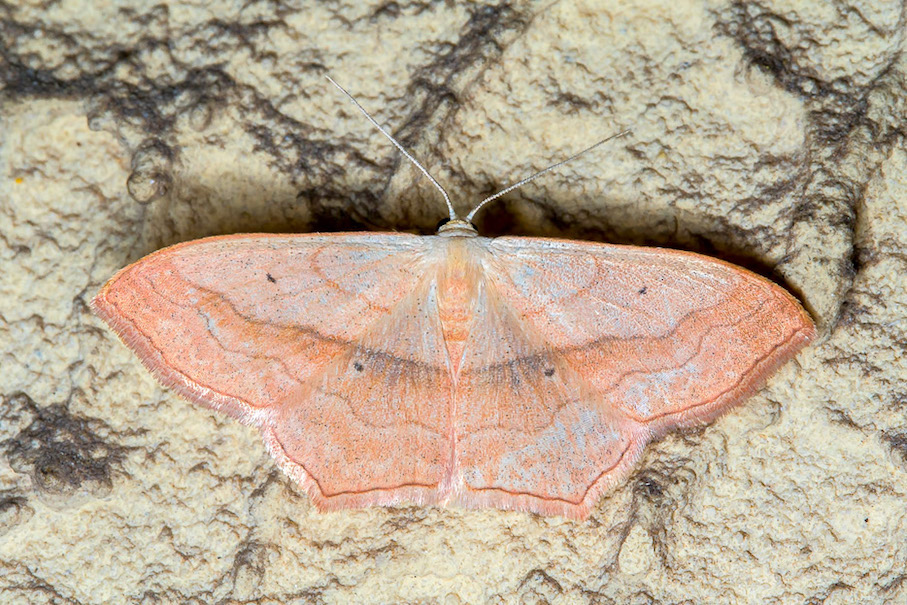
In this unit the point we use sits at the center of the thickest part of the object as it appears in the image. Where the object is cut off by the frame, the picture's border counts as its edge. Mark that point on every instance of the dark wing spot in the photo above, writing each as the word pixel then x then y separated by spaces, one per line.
pixel 549 372
pixel 643 290
pixel 271 278
pixel 357 366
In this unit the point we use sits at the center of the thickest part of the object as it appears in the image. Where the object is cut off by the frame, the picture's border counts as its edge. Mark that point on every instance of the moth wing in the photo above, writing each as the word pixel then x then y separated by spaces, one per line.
pixel 585 352
pixel 309 338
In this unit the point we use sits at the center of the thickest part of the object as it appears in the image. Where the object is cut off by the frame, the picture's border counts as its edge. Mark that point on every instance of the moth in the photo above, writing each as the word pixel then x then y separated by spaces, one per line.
pixel 513 372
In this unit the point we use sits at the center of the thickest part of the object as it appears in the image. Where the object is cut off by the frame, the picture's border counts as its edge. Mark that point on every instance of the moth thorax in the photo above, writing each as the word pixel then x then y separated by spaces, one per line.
pixel 458 284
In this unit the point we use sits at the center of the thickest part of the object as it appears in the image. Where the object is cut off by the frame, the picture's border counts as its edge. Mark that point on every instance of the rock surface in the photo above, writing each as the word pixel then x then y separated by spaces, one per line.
pixel 768 134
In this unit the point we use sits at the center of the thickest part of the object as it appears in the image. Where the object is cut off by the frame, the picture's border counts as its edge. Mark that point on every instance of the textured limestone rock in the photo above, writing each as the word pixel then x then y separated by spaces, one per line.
pixel 768 134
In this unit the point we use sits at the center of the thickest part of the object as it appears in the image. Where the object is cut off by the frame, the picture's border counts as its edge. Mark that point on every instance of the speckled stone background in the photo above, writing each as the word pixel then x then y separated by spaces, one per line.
pixel 770 134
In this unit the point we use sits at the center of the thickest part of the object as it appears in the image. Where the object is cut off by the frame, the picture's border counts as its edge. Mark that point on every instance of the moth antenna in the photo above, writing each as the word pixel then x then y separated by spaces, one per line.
pixel 502 192
pixel 450 208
